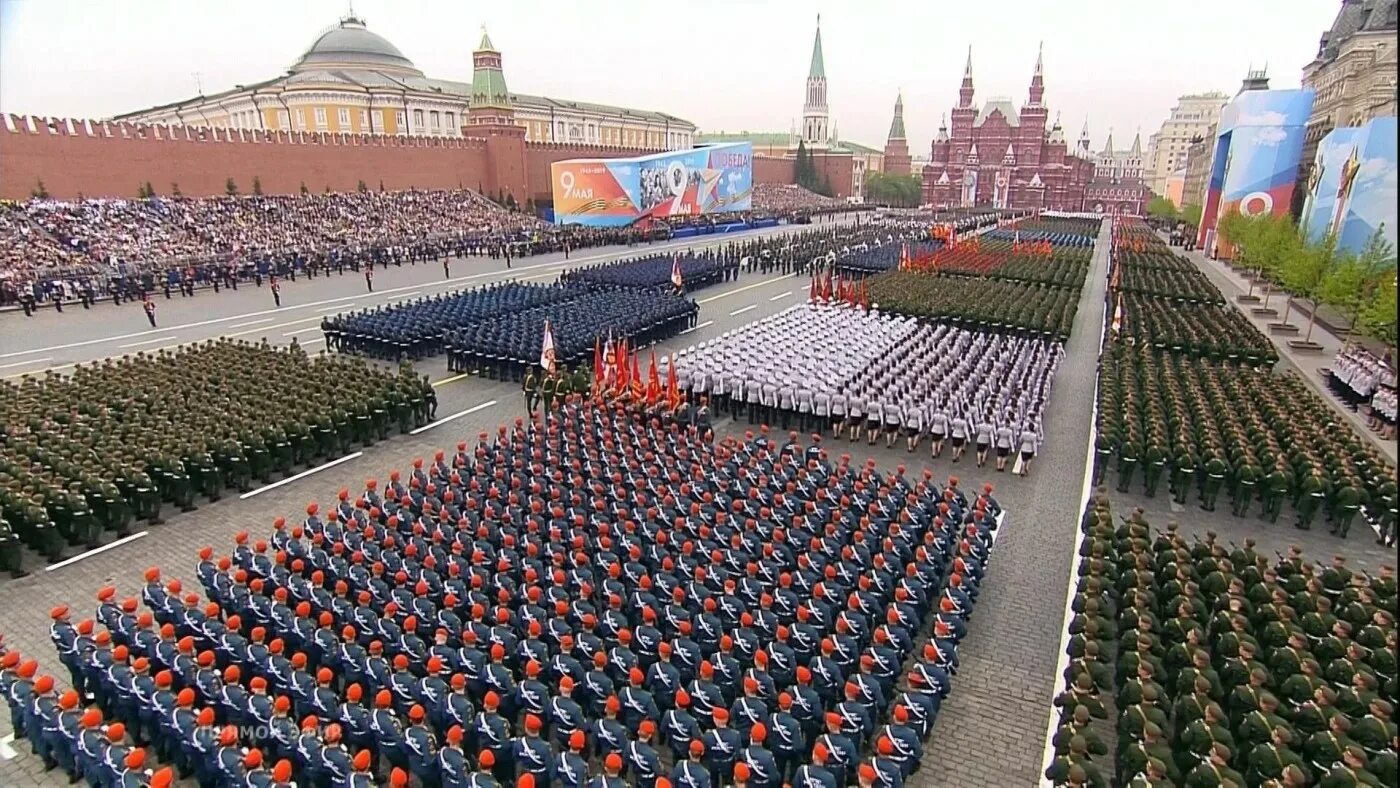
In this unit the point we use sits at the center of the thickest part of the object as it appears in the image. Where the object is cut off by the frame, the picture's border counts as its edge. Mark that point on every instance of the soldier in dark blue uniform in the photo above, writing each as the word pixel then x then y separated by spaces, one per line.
pixel 815 774
pixel 452 766
pixel 420 745
pixel 570 769
pixel 788 741
pixel 642 759
pixel 691 773
pixel 762 765
pixel 531 754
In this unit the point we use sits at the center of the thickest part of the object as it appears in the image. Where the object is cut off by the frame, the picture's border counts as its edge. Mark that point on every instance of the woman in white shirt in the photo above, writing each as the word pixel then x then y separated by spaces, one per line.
pixel 1005 437
pixel 937 430
pixel 1030 443
pixel 958 431
pixel 984 439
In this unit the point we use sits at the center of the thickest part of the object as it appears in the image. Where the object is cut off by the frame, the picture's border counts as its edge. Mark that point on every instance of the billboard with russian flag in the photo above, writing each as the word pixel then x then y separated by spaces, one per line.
pixel 617 192
pixel 1259 141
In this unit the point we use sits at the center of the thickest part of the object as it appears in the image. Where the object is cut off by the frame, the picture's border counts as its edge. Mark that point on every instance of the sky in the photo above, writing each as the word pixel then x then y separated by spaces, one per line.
pixel 727 65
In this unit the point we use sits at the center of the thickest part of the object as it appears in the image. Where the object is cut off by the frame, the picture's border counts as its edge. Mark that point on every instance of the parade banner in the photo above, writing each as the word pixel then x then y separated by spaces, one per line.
pixel 1352 188
pixel 617 192
pixel 1255 165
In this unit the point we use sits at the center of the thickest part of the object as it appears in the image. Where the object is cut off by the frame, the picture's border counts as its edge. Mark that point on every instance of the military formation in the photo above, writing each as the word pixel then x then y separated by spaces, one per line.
pixel 1150 268
pixel 117 441
pixel 698 269
pixel 504 345
pixel 1182 419
pixel 1199 663
pixel 978 303
pixel 549 389
pixel 414 329
pixel 586 598
pixel 1218 332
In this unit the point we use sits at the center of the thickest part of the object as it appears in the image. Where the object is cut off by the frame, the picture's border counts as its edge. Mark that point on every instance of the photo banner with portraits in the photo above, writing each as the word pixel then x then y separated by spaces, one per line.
pixel 617 192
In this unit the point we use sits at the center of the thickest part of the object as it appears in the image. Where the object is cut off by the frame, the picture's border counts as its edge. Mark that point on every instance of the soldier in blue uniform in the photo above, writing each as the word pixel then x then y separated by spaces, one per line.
pixel 815 774
pixel 760 761
pixel 531 754
pixel 640 756
pixel 722 744
pixel 789 743
pixel 419 747
pixel 570 769
pixel 453 768
pixel 612 773
pixel 691 772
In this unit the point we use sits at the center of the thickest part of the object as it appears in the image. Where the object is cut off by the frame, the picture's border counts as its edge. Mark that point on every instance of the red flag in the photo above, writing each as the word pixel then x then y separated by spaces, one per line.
pixel 673 389
pixel 635 378
pixel 812 290
pixel 653 382
pixel 621 362
pixel 597 365
pixel 865 295
pixel 676 278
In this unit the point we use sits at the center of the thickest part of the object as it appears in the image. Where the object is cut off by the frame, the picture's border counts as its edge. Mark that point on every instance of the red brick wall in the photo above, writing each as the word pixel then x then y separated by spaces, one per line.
pixel 768 169
pixel 115 159
pixel 836 168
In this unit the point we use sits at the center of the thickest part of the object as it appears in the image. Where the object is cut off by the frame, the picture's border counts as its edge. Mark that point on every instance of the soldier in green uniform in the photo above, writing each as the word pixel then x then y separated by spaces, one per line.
pixel 1246 481
pixel 1136 756
pixel 1348 499
pixel 1154 461
pixel 531 389
pixel 1214 771
pixel 1183 471
pixel 1350 772
pixel 1273 490
pixel 1127 461
pixel 548 390
pixel 1268 760
pixel 11 556
pixel 1215 469
pixel 1311 491
pixel 583 381
pixel 563 386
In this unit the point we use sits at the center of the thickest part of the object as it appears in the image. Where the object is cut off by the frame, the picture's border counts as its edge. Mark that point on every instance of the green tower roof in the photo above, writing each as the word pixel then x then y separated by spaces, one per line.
pixel 818 69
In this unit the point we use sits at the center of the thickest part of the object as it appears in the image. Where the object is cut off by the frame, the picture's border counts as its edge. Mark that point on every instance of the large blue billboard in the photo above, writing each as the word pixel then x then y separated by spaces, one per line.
pixel 616 192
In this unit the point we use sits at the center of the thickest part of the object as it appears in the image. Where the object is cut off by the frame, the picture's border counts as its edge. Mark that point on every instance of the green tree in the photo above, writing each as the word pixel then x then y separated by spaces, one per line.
pixel 40 191
pixel 1305 273
pixel 175 190
pixel 381 184
pixel 257 186
pixel 510 202
pixel 1191 214
pixel 230 188
pixel 361 187
pixel 530 206
pixel 304 190
pixel 141 191
pixel 1278 241
pixel 1378 316
pixel 1162 208
pixel 1345 288
pixel 804 171
pixel 150 190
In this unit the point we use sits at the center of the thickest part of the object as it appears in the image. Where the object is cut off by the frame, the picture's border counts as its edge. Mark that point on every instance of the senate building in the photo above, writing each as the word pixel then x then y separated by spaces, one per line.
pixel 352 80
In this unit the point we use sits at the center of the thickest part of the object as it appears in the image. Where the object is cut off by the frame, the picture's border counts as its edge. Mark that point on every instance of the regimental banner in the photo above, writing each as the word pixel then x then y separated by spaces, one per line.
pixel 615 192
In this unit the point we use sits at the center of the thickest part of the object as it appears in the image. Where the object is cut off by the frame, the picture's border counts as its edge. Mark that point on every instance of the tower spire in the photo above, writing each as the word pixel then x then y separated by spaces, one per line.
pixel 816 132
pixel 817 70
pixel 897 125
pixel 965 91
pixel 1037 91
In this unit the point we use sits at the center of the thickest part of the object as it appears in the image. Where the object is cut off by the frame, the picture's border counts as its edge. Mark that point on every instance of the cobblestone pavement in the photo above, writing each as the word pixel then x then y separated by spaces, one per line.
pixel 991 729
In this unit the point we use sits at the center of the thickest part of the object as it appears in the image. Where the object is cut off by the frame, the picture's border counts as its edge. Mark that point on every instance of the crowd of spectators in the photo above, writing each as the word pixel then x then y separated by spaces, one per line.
pixel 789 198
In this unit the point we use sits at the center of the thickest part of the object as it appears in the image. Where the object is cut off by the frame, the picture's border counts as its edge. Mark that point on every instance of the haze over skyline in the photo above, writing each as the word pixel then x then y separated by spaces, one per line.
pixel 726 65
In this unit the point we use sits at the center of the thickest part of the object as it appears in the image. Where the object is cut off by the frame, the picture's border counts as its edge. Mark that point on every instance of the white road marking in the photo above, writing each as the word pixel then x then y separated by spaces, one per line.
pixel 409 294
pixel 315 341
pixel 699 326
pixel 738 290
pixel 7 752
pixel 452 379
pixel 301 331
pixel 104 548
pixel 458 415
pixel 147 342
pixel 335 307
pixel 742 310
pixel 780 296
pixel 251 322
pixel 22 363
pixel 301 475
